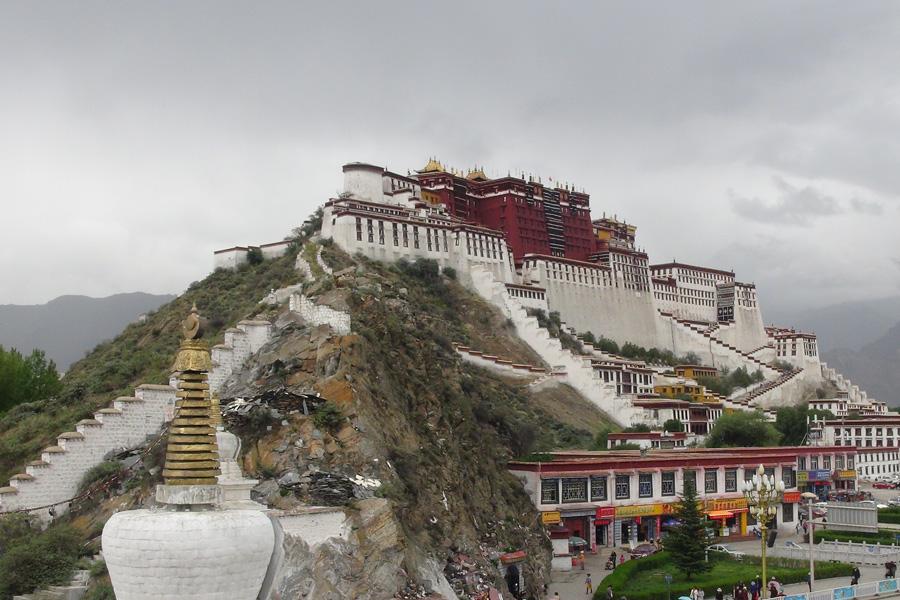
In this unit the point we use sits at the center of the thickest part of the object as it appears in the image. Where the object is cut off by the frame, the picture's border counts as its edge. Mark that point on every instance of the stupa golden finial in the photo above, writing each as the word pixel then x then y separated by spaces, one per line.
pixel 192 456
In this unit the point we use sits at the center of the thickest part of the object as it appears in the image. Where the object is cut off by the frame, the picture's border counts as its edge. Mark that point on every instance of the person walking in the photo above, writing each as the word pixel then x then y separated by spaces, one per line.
pixel 581 558
pixel 588 585
pixel 808 579
pixel 609 593
pixel 720 595
pixel 754 590
pixel 854 579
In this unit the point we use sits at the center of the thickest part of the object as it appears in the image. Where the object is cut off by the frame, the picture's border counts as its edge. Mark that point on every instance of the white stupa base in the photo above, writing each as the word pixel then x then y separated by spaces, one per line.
pixel 198 555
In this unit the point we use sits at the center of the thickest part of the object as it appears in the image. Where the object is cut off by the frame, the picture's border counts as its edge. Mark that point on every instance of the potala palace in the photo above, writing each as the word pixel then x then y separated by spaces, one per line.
pixel 524 244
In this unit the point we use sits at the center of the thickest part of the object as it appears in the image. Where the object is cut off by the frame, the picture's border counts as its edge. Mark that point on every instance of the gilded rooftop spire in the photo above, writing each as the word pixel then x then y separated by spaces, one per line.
pixel 192 457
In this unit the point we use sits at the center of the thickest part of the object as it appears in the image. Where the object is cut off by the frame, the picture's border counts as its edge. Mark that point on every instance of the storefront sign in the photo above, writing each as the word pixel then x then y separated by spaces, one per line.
pixel 720 504
pixel 851 474
pixel 605 513
pixel 807 476
pixel 643 510
pixel 551 517
pixel 791 497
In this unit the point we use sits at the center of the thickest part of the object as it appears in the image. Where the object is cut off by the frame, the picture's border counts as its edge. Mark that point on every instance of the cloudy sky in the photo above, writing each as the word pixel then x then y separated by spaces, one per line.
pixel 136 138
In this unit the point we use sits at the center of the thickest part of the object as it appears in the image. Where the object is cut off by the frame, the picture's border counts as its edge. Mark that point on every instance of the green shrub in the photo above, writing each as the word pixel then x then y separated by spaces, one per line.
pixel 39 560
pixel 884 536
pixel 254 256
pixel 99 473
pixel 101 591
pixel 328 417
pixel 449 272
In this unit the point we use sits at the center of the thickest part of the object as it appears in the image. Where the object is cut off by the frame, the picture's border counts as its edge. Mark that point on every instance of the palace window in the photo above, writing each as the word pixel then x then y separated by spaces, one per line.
pixel 428 238
pixel 574 489
pixel 788 476
pixel 598 488
pixel 645 485
pixel 731 480
pixel 446 248
pixel 370 231
pixel 787 512
pixel 711 481
pixel 826 462
pixel 801 463
pixel 850 461
pixel 396 236
pixel 549 491
pixel 689 478
pixel 839 462
pixel 668 483
pixel 405 236
pixel 623 487
pixel 381 232
pixel 358 229
pixel 813 463
pixel 415 237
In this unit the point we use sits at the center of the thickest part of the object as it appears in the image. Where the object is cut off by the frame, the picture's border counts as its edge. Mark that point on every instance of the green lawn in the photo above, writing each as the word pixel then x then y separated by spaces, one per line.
pixel 643 579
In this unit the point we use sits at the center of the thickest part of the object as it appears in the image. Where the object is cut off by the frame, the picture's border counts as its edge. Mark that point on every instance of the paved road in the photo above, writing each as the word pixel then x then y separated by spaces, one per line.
pixel 571 584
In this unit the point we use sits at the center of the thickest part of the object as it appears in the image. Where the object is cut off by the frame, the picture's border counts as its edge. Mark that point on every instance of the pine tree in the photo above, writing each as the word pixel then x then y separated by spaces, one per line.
pixel 687 542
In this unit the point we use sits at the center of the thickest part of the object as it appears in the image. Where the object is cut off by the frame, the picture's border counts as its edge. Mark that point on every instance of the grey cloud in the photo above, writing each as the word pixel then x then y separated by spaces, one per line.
pixel 793 206
pixel 125 113
pixel 866 207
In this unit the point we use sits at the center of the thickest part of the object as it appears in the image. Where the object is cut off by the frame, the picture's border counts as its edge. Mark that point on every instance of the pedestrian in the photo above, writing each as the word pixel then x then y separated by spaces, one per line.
pixel 609 593
pixel 622 559
pixel 809 580
pixel 720 595
pixel 854 579
pixel 701 594
pixel 745 594
pixel 588 585
pixel 754 590
pixel 581 558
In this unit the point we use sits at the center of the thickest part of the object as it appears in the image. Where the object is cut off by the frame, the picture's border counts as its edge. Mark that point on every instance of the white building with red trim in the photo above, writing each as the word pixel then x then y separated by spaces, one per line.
pixel 617 497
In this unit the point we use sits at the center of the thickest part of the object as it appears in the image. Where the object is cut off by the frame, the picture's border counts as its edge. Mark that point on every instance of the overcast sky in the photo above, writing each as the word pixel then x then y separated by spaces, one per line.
pixel 136 138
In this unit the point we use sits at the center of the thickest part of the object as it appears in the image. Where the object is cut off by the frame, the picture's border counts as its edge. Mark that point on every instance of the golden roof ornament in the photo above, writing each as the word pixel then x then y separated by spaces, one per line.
pixel 192 455
pixel 432 167
pixel 477 174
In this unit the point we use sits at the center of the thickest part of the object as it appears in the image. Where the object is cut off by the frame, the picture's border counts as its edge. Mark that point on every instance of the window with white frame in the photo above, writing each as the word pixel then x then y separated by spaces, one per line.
pixel 549 491
pixel 574 489
pixel 711 481
pixel 668 483
pixel 645 485
pixel 598 487
pixel 623 487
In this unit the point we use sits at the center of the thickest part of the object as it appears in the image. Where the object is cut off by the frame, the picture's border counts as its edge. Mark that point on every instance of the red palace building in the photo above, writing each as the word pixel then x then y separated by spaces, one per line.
pixel 536 218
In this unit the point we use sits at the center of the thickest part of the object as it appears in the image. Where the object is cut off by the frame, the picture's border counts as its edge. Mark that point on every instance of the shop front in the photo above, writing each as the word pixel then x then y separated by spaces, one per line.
pixel 603 525
pixel 728 514
pixel 818 482
pixel 639 523
pixel 845 480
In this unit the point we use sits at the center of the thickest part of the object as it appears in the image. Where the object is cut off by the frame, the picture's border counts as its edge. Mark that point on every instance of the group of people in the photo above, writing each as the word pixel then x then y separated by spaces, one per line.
pixel 753 590
pixel 611 561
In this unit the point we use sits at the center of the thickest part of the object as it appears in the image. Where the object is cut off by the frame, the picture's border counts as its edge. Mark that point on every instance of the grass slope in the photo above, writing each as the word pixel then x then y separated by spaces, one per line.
pixel 142 353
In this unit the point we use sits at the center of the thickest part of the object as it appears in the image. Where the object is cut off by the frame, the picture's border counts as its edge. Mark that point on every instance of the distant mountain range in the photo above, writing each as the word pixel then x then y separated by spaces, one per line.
pixel 69 326
pixel 859 339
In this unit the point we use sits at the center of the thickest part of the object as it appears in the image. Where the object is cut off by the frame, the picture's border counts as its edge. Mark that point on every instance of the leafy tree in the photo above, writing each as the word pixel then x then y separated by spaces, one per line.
pixel 687 541
pixel 40 559
pixel 673 425
pixel 791 422
pixel 742 429
pixel 691 358
pixel 254 256
pixel 639 428
pixel 26 378
pixel 600 440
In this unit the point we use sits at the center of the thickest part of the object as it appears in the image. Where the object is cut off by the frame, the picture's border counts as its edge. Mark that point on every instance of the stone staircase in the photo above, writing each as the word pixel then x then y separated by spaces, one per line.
pixel 580 373
pixel 854 393
pixel 505 366
pixel 759 393
pixel 55 477
pixel 75 589
pixel 727 352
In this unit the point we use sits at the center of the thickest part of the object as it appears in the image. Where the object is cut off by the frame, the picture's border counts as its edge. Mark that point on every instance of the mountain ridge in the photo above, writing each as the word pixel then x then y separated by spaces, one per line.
pixel 68 326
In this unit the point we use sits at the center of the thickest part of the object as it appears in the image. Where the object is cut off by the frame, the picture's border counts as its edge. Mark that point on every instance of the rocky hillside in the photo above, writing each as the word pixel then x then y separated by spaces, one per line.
pixel 408 442
pixel 433 431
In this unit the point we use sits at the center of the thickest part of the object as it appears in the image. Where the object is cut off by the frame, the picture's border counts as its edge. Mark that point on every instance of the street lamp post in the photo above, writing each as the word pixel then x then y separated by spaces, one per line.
pixel 763 495
pixel 810 530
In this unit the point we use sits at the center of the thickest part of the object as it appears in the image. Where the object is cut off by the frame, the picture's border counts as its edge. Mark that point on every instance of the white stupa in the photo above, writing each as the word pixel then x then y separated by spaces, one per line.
pixel 206 541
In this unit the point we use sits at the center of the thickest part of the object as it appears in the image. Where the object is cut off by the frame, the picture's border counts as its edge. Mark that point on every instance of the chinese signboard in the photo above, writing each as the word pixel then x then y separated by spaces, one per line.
pixel 643 510
pixel 551 517
pixel 804 477
pixel 732 504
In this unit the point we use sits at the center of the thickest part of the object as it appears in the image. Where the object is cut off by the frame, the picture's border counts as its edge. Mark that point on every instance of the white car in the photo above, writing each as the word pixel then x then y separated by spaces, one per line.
pixel 877 505
pixel 894 501
pixel 792 544
pixel 725 550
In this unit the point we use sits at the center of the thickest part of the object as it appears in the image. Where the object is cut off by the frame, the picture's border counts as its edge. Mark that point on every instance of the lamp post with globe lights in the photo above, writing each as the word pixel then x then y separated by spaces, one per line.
pixel 763 496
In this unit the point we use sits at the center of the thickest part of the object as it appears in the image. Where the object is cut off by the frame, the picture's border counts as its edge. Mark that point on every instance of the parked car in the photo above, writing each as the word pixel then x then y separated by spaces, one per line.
pixel 642 551
pixel 894 501
pixel 878 505
pixel 883 485
pixel 725 550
